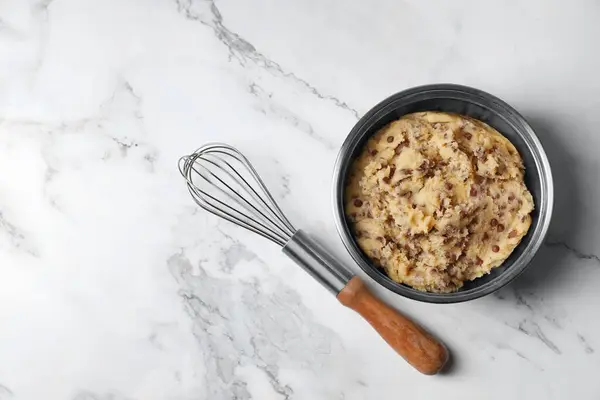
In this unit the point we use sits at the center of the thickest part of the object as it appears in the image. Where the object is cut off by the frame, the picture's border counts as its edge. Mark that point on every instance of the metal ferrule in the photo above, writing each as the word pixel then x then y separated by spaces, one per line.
pixel 315 260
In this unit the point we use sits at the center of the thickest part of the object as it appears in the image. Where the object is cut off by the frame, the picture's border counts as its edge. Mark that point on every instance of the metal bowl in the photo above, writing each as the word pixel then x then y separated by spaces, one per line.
pixel 484 107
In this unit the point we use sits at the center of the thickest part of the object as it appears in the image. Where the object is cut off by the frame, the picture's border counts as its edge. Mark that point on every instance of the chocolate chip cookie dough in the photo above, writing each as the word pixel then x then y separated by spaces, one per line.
pixel 437 199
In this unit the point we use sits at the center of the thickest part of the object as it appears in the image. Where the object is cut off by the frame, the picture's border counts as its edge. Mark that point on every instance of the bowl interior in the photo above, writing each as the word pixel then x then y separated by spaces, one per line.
pixel 486 108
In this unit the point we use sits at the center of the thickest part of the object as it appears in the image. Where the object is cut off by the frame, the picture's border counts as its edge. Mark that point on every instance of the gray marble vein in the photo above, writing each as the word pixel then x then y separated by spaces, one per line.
pixel 235 253
pixel 281 112
pixel 575 252
pixel 586 346
pixel 5 393
pixel 521 300
pixel 138 100
pixel 532 329
pixel 18 238
pixel 43 5
pixel 285 391
pixel 207 13
pixel 243 323
pixel 272 108
pixel 520 355
pixel 124 146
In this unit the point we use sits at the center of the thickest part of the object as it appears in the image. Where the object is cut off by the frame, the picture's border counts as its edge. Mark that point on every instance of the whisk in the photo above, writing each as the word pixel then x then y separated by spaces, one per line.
pixel 222 181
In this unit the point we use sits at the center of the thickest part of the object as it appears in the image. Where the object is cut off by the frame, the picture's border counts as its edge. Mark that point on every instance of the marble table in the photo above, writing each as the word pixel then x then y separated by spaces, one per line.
pixel 114 286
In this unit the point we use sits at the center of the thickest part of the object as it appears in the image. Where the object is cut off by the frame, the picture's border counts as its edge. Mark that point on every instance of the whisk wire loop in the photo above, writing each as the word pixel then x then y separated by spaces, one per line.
pixel 215 183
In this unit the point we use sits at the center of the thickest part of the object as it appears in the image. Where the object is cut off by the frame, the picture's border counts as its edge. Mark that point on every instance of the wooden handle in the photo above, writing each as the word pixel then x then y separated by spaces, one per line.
pixel 409 340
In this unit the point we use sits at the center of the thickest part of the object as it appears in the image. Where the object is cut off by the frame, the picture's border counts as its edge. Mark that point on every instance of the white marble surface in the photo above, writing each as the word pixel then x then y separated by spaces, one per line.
pixel 113 286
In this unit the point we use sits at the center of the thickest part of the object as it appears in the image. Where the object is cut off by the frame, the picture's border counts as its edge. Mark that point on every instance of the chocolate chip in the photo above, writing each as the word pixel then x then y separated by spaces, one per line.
pixel 389 219
pixel 494 222
pixel 523 218
pixel 373 152
pixel 414 206
pixel 512 234
pixel 511 197
pixel 449 186
pixel 495 248
pixel 353 215
pixel 486 236
pixel 500 228
pixel 399 148
pixel 380 238
pixel 392 171
pixel 468 135
pixel 390 139
pixel 358 203
pixel 406 171
pixel 386 179
pixel 478 261
pixel 473 191
pixel 423 166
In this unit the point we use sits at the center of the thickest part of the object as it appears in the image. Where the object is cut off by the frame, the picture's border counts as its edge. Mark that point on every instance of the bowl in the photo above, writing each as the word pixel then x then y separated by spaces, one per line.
pixel 484 107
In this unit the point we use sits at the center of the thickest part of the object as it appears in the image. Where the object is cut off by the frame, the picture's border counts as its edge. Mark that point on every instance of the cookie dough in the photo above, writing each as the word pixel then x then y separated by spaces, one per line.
pixel 437 199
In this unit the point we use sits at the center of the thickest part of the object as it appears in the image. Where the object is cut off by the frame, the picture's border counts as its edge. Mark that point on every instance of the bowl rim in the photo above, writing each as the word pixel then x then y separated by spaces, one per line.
pixel 473 96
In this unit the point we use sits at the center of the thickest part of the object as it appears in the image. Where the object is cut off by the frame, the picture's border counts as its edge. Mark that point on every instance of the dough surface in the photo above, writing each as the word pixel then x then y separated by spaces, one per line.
pixel 437 199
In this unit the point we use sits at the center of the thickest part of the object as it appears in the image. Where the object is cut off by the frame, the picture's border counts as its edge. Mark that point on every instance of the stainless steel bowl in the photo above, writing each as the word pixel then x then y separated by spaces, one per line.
pixel 484 107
